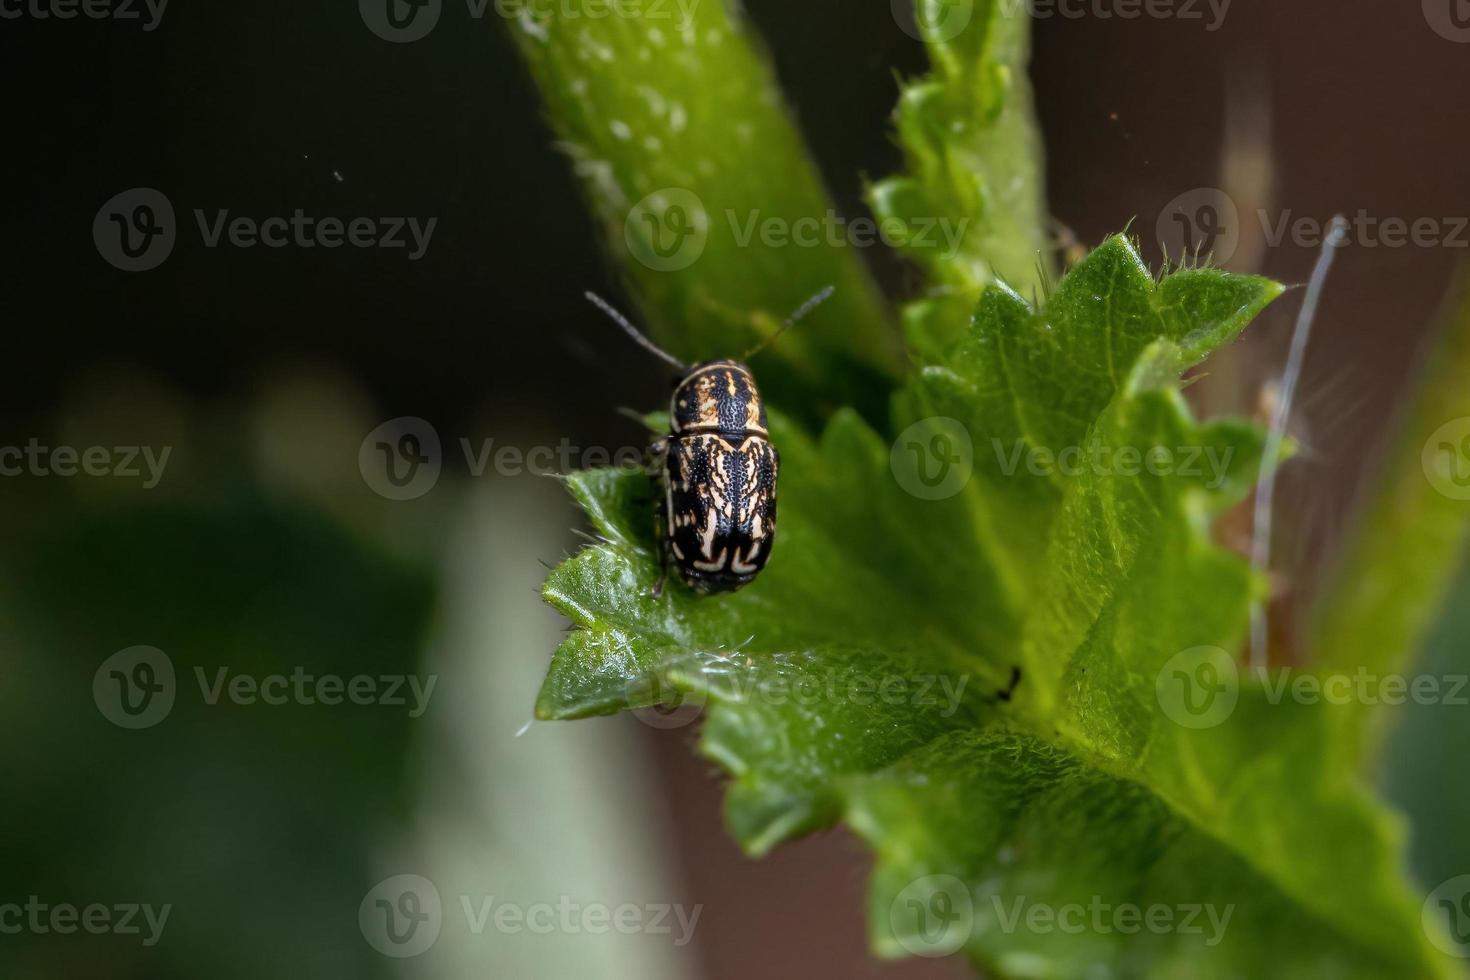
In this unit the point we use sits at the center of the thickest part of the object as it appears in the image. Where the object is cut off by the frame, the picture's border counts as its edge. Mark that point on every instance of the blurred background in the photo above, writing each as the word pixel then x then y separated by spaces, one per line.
pixel 265 543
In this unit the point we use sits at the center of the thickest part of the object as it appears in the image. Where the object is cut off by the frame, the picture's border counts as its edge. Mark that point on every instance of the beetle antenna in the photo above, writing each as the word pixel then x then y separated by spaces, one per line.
pixel 791 321
pixel 634 332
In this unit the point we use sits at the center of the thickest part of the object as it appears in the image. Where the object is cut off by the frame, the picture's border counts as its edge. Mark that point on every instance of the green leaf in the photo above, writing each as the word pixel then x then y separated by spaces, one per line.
pixel 1030 828
pixel 867 675
pixel 973 158
pixel 1034 380
pixel 708 200
pixel 1410 541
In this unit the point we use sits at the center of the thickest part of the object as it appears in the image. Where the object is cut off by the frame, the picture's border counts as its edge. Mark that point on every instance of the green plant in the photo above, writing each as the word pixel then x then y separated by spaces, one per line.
pixel 1031 624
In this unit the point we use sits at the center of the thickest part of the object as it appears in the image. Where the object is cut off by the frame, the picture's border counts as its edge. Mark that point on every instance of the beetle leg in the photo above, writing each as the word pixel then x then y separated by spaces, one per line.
pixel 663 576
pixel 660 525
pixel 1011 687
pixel 657 456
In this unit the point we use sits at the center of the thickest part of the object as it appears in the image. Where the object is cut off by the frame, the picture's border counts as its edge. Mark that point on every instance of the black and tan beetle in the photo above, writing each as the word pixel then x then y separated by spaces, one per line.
pixel 716 469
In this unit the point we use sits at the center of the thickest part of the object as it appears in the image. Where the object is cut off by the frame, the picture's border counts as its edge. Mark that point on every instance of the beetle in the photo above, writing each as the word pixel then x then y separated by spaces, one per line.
pixel 716 470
